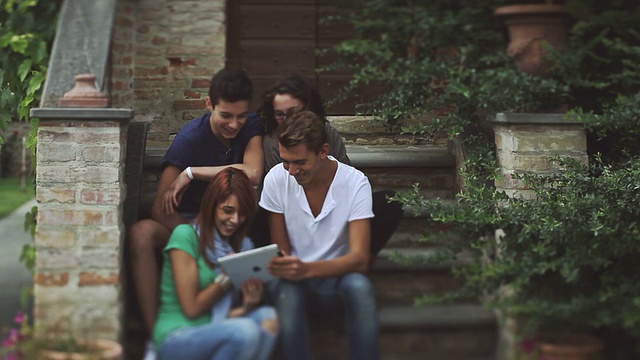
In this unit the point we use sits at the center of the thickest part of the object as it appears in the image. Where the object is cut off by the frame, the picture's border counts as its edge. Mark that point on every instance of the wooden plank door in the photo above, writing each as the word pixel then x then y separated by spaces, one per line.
pixel 271 39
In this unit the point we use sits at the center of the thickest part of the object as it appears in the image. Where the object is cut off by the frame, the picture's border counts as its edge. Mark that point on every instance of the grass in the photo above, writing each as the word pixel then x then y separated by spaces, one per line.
pixel 12 195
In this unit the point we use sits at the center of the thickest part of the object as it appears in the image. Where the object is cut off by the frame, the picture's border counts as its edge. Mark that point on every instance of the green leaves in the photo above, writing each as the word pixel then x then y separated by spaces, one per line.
pixel 26 33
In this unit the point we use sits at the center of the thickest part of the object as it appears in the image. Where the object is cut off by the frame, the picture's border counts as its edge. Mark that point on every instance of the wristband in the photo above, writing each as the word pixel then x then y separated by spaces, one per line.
pixel 189 173
pixel 224 281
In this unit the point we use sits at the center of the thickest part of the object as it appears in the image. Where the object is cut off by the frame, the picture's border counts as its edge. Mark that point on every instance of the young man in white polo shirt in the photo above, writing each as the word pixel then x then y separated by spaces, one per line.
pixel 319 213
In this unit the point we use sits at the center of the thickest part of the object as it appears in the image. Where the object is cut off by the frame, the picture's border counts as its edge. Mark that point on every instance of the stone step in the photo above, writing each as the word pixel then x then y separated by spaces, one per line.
pixel 413 226
pixel 402 284
pixel 389 167
pixel 436 332
pixel 365 156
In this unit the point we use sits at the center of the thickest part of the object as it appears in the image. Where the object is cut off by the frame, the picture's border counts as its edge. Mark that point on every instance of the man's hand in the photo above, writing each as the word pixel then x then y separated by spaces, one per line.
pixel 172 197
pixel 288 267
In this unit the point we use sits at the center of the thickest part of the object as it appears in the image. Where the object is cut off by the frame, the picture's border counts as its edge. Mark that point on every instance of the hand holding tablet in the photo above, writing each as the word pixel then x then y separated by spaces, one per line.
pixel 250 264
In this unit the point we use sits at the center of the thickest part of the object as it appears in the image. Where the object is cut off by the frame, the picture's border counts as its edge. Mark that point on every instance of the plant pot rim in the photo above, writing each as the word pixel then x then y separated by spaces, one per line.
pixel 570 343
pixel 105 349
pixel 530 9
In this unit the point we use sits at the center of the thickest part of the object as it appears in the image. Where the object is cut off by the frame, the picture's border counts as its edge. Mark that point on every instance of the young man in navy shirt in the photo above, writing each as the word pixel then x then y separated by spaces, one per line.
pixel 229 135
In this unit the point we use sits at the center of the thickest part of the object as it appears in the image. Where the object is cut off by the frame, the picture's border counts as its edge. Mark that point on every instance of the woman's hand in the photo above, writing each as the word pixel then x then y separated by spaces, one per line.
pixel 172 197
pixel 252 291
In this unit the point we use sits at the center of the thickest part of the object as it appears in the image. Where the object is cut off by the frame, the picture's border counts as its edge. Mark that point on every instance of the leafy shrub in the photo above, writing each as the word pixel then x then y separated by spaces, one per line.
pixel 26 34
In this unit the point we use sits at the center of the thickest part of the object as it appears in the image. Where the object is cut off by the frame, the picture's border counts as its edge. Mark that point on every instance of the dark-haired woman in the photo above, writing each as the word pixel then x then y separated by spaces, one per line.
pixel 193 284
pixel 290 95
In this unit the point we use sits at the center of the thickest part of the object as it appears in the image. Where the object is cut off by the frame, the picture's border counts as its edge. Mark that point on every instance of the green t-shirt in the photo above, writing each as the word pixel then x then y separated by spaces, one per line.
pixel 170 316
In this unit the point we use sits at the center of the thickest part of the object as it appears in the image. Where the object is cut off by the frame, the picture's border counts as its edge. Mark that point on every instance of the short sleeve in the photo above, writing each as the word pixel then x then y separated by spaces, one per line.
pixel 254 126
pixel 180 153
pixel 362 206
pixel 184 238
pixel 271 199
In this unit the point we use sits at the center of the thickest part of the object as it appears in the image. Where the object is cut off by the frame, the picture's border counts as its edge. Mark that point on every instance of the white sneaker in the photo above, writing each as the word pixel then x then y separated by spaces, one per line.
pixel 150 353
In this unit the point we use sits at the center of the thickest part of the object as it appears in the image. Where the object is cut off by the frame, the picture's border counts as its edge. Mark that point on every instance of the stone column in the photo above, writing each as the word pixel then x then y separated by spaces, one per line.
pixel 80 190
pixel 525 142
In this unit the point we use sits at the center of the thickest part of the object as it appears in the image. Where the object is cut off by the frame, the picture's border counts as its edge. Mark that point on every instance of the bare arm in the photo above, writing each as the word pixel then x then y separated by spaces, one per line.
pixel 253 165
pixel 292 268
pixel 278 230
pixel 185 274
pixel 158 212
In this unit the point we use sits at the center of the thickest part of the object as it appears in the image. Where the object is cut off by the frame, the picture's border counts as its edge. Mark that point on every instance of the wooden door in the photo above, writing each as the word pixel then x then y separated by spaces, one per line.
pixel 271 39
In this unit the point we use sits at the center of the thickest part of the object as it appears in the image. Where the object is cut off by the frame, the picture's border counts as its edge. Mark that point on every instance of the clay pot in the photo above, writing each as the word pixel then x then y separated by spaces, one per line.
pixel 569 347
pixel 101 349
pixel 530 26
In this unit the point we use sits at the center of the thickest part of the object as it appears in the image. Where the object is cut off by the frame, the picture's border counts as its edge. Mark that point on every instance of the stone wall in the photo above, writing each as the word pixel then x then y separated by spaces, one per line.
pixel 526 142
pixel 164 54
pixel 80 232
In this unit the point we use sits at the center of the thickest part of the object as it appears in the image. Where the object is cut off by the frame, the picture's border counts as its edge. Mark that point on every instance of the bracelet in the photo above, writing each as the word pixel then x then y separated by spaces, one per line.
pixel 189 173
pixel 224 281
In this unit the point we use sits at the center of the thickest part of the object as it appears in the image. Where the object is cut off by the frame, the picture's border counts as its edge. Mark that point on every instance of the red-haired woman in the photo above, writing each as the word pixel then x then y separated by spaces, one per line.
pixel 192 282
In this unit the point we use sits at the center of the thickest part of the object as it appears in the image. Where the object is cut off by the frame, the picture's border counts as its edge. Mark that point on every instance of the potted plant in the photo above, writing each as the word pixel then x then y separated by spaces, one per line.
pixel 533 27
pixel 568 256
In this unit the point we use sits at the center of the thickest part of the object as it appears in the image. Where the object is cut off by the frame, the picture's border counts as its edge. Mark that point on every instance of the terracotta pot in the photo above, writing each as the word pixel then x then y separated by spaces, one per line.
pixel 100 350
pixel 569 347
pixel 530 26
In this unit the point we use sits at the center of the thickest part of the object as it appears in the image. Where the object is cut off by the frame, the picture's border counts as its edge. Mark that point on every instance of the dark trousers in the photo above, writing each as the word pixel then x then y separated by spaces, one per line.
pixel 387 216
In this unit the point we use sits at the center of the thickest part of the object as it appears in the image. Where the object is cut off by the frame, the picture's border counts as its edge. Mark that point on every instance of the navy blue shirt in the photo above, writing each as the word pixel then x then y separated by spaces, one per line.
pixel 196 145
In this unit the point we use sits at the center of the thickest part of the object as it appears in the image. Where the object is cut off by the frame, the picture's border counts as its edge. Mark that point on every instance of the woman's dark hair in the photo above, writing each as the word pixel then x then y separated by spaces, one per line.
pixel 300 88
pixel 230 181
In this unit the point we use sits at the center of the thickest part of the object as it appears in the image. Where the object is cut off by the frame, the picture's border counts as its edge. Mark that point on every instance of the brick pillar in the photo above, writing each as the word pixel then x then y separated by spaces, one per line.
pixel 524 143
pixel 80 190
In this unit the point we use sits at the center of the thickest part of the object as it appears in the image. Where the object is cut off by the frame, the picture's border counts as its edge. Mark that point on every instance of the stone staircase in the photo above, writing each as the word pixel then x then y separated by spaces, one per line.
pixel 461 331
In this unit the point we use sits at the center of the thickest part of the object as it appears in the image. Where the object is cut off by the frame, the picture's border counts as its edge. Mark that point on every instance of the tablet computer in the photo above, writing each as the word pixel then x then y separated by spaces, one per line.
pixel 249 264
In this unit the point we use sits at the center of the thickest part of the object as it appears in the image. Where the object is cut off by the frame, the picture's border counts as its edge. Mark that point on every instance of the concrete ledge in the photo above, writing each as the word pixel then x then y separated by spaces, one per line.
pixel 435 317
pixel 81 46
pixel 533 118
pixel 81 114
pixel 363 156
pixel 399 156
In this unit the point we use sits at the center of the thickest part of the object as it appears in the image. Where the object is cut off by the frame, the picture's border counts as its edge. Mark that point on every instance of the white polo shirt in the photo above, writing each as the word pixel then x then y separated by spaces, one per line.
pixel 326 236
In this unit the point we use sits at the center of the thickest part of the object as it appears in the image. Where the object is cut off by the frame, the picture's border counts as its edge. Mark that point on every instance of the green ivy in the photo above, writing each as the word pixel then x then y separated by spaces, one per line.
pixel 26 33
pixel 445 61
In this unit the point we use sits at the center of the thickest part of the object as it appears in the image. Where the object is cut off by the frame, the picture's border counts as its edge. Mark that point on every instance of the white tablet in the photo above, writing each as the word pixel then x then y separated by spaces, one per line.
pixel 249 264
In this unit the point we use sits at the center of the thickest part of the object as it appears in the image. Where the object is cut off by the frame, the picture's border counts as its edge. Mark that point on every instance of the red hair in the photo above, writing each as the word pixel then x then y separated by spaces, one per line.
pixel 230 181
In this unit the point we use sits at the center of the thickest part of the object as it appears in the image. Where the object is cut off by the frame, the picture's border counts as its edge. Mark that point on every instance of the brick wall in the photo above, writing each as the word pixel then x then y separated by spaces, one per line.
pixel 164 53
pixel 80 191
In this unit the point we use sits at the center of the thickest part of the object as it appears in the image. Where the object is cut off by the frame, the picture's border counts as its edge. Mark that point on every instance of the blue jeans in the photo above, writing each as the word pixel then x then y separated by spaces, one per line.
pixel 352 293
pixel 241 338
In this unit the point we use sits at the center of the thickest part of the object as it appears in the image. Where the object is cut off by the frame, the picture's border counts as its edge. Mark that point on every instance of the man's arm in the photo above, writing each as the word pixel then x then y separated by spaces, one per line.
pixel 169 219
pixel 278 230
pixel 292 268
pixel 252 164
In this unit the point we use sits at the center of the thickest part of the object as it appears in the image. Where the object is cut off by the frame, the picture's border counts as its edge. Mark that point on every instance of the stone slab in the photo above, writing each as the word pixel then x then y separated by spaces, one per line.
pixel 531 118
pixel 81 46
